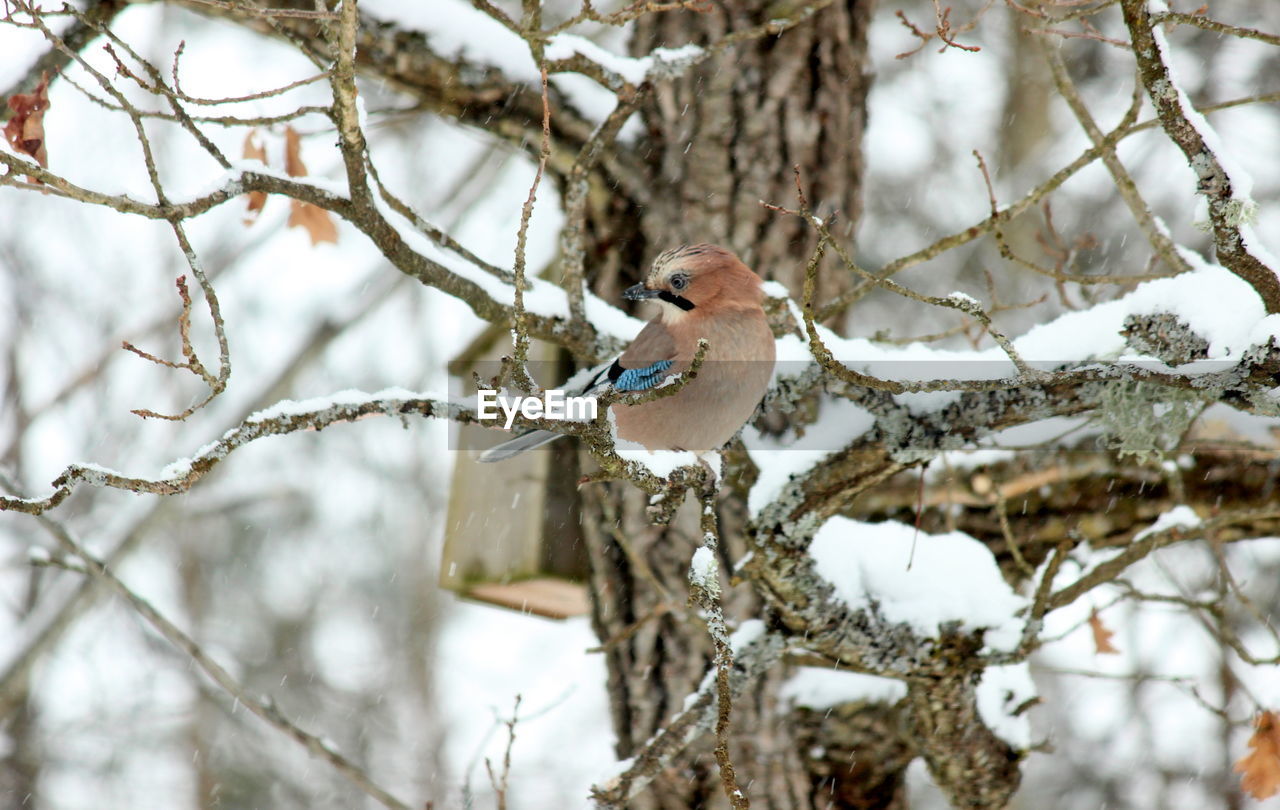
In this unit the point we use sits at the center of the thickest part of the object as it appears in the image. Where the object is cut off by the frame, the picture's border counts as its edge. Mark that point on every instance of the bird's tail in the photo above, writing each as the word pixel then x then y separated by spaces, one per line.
pixel 518 445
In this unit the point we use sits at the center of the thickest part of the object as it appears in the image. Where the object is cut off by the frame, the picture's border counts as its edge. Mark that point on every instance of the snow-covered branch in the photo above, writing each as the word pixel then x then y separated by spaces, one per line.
pixel 283 418
pixel 1224 183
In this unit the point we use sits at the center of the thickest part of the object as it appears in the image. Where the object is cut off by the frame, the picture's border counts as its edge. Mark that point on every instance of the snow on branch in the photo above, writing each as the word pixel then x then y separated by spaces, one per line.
pixel 898 629
pixel 562 49
pixel 925 581
pixel 704 581
pixel 289 416
pixel 413 246
pixel 1225 185
pixel 571 52
pixel 283 418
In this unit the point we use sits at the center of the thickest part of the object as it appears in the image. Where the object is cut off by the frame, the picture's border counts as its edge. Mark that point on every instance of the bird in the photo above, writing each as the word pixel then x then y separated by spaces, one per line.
pixel 703 291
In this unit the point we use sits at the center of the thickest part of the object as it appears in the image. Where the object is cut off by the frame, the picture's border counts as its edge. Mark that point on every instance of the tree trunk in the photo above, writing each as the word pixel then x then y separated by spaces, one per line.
pixel 719 140
pixel 728 134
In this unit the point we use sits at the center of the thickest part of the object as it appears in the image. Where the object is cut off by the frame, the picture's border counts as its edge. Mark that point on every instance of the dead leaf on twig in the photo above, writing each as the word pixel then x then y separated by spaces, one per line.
pixel 319 225
pixel 254 149
pixel 1260 769
pixel 317 221
pixel 25 129
pixel 1101 636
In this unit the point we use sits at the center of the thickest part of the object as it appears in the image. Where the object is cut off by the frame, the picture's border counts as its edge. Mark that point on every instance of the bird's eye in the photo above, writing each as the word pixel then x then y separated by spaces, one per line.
pixel 679 281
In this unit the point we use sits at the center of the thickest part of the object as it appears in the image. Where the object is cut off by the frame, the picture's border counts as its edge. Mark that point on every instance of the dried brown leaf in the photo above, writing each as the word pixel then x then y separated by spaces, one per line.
pixel 318 222
pixel 254 149
pixel 1260 770
pixel 293 164
pixel 25 129
pixel 1101 636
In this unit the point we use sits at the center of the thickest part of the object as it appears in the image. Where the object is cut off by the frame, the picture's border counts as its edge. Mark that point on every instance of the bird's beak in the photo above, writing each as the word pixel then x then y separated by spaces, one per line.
pixel 639 292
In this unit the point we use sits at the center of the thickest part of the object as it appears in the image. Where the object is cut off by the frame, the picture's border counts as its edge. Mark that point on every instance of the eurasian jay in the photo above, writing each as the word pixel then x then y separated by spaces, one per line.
pixel 704 291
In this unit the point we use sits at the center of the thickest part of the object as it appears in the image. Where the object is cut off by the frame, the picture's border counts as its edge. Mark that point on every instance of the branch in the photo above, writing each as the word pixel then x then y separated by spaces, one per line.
pixel 1012 211
pixel 362 208
pixel 217 384
pixel 1138 549
pixel 345 112
pixel 367 219
pixel 192 363
pixel 519 365
pixel 76 37
pixel 474 94
pixel 267 13
pixel 1160 241
pixel 291 417
pixel 1208 24
pixel 182 475
pixel 704 581
pixel 627 14
pixel 577 185
pixel 1229 205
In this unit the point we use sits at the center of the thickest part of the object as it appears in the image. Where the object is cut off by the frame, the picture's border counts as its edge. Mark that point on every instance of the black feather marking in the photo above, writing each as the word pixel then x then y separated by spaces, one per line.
pixel 615 370
pixel 678 300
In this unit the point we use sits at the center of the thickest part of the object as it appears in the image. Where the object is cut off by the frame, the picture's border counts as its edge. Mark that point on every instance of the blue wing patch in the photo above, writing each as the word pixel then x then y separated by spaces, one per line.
pixel 641 379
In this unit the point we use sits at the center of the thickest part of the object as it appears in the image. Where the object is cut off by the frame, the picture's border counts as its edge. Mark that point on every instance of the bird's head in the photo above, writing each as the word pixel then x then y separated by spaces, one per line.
pixel 703 279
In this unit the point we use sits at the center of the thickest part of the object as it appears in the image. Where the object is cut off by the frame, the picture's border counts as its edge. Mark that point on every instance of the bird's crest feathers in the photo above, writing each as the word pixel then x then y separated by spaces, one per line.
pixel 707 278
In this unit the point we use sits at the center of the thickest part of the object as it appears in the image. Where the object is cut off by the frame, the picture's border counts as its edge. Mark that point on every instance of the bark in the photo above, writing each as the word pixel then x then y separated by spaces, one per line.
pixel 856 755
pixel 727 135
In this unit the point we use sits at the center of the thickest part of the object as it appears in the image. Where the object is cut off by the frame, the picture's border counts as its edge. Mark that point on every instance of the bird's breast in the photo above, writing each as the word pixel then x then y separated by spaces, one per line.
pixel 711 408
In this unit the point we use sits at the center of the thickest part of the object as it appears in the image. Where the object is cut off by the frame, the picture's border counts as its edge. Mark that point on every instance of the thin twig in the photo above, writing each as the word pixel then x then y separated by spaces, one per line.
pixel 1002 511
pixel 502 783
pixel 1138 549
pixel 1160 241
pixel 271 13
pixel 219 381
pixel 1032 198
pixel 1209 24
pixel 577 185
pixel 705 586
pixel 518 368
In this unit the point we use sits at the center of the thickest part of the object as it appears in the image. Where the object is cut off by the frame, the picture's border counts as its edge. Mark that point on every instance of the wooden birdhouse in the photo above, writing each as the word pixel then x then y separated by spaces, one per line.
pixel 512 534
